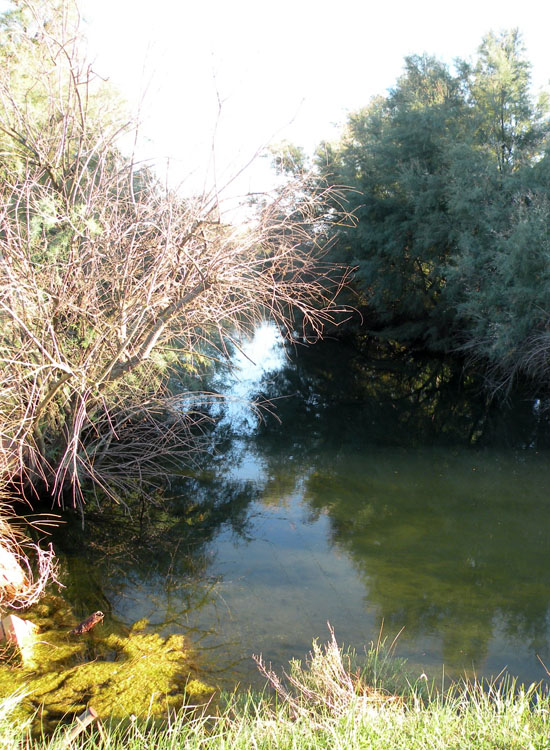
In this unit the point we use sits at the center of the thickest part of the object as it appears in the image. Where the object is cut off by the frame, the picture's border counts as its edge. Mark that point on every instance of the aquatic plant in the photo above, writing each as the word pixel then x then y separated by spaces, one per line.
pixel 120 674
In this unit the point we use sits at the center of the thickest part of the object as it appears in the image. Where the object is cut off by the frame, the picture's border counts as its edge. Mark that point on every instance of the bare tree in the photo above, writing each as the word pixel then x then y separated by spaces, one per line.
pixel 109 282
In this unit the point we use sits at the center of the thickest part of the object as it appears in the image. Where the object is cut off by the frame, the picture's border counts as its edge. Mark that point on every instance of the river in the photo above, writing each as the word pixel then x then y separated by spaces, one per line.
pixel 375 501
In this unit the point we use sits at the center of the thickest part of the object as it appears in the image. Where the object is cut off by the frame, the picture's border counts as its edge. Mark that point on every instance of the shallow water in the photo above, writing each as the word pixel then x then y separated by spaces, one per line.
pixel 362 514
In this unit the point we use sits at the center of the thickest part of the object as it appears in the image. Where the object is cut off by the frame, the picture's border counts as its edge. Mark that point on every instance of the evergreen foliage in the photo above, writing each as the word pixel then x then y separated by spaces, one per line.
pixel 448 178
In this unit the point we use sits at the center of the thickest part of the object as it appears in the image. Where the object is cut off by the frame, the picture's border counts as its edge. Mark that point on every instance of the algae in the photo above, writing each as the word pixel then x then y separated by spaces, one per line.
pixel 120 673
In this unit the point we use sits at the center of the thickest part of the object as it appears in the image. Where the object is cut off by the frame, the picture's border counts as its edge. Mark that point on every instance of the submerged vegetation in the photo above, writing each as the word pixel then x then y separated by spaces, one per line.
pixel 120 673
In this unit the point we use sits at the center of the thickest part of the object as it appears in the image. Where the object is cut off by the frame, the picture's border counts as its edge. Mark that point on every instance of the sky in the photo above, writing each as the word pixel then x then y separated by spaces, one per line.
pixel 215 80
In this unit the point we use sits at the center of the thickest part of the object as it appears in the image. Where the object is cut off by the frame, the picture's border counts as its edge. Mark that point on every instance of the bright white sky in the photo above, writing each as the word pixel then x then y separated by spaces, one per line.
pixel 287 69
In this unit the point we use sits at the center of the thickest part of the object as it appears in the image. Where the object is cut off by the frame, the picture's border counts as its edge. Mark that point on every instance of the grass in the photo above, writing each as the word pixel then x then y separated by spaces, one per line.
pixel 327 702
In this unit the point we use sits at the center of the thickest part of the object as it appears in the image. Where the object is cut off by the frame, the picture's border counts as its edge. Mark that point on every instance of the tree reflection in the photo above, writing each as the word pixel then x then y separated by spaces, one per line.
pixel 156 555
pixel 445 546
pixel 361 392
pixel 446 532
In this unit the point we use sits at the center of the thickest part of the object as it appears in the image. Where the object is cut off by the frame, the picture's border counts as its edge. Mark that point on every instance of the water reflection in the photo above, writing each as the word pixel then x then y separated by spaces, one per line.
pixel 449 542
pixel 156 562
pixel 362 393
pixel 389 491
pixel 453 546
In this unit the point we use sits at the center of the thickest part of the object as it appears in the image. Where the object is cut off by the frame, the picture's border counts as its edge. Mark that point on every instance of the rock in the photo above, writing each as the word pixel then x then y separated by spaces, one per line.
pixel 19 632
pixel 13 579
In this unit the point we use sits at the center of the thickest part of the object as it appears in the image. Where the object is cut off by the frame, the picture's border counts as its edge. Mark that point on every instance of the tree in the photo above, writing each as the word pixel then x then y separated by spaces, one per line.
pixel 505 293
pixel 394 156
pixel 497 87
pixel 449 191
pixel 499 198
pixel 111 286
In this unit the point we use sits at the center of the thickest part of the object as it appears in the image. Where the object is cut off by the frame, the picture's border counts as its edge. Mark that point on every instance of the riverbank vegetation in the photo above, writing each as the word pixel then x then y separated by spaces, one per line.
pixel 114 288
pixel 26 568
pixel 331 700
pixel 116 291
pixel 449 176
pixel 119 671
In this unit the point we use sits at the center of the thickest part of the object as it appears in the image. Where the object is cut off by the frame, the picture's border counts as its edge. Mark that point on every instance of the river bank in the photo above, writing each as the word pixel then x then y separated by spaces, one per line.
pixel 366 503
pixel 327 701
pixel 416 507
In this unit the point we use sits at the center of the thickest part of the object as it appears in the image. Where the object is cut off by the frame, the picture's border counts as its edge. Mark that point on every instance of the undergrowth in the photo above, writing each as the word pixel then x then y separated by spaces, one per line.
pixel 334 699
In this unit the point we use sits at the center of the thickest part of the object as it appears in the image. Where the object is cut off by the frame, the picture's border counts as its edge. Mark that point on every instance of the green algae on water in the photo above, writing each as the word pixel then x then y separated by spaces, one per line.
pixel 120 674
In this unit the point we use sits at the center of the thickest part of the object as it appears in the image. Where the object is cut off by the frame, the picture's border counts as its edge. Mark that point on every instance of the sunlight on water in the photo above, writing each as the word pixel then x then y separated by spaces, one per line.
pixel 341 514
pixel 255 357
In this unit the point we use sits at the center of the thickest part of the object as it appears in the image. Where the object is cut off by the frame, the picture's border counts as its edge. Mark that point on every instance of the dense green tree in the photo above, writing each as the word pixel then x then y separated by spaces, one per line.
pixel 395 156
pixel 499 196
pixel 497 88
pixel 448 179
pixel 501 278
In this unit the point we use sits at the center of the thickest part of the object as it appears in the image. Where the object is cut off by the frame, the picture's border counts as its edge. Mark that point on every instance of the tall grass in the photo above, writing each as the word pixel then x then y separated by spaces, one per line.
pixel 13 733
pixel 326 703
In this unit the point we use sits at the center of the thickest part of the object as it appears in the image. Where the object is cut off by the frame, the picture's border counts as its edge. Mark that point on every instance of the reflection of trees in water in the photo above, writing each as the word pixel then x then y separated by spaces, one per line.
pixel 443 551
pixel 363 393
pixel 448 541
pixel 160 546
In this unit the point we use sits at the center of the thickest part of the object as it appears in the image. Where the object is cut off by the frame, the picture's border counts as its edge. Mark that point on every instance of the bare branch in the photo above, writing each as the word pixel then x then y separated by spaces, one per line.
pixel 110 283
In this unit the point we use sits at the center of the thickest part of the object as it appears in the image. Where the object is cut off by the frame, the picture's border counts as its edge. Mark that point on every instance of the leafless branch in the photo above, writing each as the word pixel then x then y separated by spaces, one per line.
pixel 110 283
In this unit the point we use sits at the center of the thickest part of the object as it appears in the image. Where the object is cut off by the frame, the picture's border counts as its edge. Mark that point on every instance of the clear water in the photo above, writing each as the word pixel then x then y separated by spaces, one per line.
pixel 403 517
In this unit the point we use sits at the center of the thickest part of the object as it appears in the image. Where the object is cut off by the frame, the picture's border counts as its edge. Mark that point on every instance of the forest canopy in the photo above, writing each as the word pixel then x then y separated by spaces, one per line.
pixel 448 179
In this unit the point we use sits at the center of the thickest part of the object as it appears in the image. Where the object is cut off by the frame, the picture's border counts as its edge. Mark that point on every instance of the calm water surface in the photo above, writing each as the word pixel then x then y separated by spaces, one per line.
pixel 360 514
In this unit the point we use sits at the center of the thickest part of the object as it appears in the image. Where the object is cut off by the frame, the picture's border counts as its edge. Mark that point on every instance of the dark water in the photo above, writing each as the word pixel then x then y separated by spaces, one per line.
pixel 391 495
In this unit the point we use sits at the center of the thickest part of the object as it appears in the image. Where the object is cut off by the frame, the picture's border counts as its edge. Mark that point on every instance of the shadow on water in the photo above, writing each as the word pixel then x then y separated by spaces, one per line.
pixel 152 559
pixel 387 490
pixel 367 394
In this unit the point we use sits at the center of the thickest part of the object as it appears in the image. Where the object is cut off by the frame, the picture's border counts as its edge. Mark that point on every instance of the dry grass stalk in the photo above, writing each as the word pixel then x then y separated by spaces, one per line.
pixel 22 583
pixel 325 686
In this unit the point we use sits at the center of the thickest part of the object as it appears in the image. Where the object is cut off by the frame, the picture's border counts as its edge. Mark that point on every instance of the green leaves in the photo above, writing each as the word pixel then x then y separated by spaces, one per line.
pixel 449 187
pixel 395 154
pixel 507 121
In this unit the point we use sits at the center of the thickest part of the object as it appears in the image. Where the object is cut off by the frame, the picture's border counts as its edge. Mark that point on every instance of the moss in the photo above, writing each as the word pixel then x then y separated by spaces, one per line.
pixel 119 674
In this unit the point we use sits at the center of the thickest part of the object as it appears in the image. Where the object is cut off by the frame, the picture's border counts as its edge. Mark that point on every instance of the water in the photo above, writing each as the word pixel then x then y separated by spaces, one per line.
pixel 426 516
